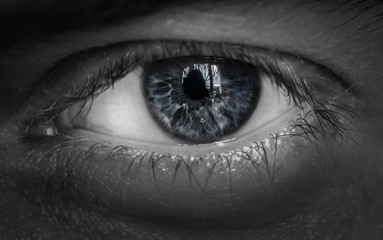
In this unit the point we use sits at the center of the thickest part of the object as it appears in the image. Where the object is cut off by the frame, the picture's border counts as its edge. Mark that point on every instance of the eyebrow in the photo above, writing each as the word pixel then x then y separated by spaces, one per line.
pixel 46 17
pixel 21 20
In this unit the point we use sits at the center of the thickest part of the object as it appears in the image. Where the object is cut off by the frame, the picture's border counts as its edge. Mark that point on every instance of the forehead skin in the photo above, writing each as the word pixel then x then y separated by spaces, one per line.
pixel 345 36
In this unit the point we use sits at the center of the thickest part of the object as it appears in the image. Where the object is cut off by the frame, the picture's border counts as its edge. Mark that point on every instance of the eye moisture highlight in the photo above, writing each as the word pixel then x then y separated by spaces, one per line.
pixel 189 133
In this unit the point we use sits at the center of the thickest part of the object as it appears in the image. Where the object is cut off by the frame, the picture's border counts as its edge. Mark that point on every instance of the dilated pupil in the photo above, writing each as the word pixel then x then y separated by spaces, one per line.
pixel 194 85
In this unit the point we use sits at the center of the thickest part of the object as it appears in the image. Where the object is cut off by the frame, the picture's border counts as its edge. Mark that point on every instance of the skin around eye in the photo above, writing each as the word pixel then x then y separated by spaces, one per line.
pixel 284 155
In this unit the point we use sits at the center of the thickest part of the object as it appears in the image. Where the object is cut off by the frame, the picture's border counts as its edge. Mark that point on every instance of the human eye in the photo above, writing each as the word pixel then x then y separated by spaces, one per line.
pixel 102 122
pixel 84 156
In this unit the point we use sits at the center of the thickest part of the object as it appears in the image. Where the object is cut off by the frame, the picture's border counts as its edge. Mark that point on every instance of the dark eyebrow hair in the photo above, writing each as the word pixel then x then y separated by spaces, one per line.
pixel 47 17
pixel 25 19
pixel 359 8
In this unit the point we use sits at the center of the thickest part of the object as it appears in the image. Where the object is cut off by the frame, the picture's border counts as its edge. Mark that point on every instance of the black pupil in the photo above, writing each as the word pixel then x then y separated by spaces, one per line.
pixel 194 85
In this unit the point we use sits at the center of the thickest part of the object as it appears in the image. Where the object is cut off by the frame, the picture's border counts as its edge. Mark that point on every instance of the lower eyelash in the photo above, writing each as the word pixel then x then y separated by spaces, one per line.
pixel 65 159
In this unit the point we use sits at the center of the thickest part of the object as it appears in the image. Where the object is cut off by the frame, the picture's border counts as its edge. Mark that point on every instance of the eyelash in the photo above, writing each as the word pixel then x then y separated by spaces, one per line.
pixel 329 115
pixel 297 88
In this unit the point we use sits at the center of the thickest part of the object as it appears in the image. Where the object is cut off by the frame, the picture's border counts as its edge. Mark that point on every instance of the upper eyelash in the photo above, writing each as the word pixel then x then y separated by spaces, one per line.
pixel 297 88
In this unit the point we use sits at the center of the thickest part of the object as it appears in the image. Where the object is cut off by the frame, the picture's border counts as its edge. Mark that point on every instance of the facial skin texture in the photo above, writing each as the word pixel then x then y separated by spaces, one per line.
pixel 346 37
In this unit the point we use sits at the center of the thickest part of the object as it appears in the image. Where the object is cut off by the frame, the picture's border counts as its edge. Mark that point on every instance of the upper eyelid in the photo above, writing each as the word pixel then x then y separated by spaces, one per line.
pixel 55 94
pixel 56 98
pixel 87 54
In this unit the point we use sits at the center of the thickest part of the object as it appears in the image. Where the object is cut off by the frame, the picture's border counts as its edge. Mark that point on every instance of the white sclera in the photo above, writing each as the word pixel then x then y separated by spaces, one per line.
pixel 120 115
pixel 120 111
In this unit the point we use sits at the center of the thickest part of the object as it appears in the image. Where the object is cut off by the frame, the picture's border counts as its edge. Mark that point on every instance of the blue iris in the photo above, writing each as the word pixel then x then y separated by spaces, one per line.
pixel 201 99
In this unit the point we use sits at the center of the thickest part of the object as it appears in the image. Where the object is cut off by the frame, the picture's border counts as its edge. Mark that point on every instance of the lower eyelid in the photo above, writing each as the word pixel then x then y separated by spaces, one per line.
pixel 145 184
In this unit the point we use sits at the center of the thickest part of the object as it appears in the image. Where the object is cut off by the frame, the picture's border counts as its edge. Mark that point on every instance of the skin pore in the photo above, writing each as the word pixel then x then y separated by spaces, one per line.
pixel 344 36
